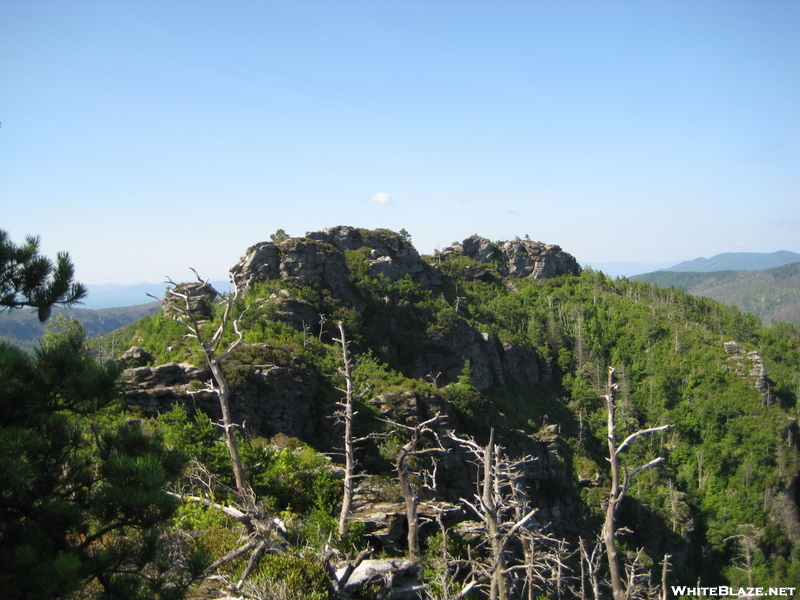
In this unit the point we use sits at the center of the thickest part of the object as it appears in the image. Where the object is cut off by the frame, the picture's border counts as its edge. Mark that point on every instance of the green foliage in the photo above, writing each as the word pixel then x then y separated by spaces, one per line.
pixel 83 501
pixel 295 479
pixel 771 294
pixel 728 458
pixel 165 339
pixel 29 279
pixel 198 437
pixel 300 576
pixel 278 236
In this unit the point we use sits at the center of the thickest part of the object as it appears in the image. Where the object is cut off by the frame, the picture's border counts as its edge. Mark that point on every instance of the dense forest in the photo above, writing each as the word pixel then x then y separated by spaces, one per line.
pixel 771 294
pixel 463 401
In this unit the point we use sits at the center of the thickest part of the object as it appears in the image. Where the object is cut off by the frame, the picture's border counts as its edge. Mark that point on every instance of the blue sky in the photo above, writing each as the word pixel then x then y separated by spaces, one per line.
pixel 147 137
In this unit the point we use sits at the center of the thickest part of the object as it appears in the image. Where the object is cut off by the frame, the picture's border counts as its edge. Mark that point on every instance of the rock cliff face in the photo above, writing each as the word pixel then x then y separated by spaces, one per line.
pixel 275 391
pixel 517 259
pixel 750 364
pixel 318 259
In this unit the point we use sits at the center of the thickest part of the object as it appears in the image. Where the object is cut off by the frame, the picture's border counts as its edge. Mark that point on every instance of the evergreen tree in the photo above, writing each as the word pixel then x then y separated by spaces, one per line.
pixel 83 502
pixel 28 279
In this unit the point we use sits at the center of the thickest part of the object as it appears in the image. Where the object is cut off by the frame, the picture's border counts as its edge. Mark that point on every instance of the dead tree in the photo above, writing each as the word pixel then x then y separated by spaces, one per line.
pixel 619 486
pixel 748 544
pixel 448 568
pixel 263 534
pixel 346 414
pixel 178 304
pixel 401 466
pixel 590 567
pixel 494 503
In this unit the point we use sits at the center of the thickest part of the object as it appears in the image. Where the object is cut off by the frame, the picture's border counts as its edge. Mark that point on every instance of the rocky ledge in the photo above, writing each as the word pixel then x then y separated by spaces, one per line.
pixel 318 258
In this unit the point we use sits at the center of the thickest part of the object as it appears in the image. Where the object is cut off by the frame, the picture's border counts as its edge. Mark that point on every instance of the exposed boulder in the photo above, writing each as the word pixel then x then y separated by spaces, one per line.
pixel 156 389
pixel 200 296
pixel 271 392
pixel 318 259
pixel 750 364
pixel 135 357
pixel 536 260
pixel 516 259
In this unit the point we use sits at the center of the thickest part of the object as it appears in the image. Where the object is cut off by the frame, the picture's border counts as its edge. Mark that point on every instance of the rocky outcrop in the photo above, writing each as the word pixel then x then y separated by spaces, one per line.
pixel 750 364
pixel 155 389
pixel 136 357
pixel 301 261
pixel 390 254
pixel 318 259
pixel 271 392
pixel 517 259
pixel 199 295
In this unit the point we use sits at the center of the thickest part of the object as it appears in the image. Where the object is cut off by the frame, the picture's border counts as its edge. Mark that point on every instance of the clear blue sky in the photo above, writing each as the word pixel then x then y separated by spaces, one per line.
pixel 147 137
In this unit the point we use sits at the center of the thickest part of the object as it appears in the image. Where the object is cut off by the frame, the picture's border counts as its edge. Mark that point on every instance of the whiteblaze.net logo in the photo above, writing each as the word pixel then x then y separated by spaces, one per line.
pixel 725 591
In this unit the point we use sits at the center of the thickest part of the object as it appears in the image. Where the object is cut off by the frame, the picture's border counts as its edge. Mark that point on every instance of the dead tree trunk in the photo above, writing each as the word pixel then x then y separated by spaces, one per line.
pixel 401 466
pixel 182 311
pixel 618 486
pixel 346 414
pixel 495 499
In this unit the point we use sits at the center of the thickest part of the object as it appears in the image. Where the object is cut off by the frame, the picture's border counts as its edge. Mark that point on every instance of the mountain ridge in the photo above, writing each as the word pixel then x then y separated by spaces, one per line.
pixel 737 261
pixel 770 294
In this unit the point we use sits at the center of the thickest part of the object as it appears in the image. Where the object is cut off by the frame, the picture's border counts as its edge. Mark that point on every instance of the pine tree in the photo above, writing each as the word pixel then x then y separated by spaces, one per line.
pixel 28 279
pixel 83 501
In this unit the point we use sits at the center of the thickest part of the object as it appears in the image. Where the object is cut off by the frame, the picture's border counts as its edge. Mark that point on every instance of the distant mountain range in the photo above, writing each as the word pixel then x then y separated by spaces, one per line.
pixel 106 307
pixel 628 268
pixel 737 261
pixel 770 294
pixel 22 327
pixel 729 261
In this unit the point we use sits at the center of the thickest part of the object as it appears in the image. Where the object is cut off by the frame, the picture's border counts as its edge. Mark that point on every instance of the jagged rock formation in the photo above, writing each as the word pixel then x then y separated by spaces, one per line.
pixel 156 389
pixel 274 391
pixel 318 259
pixel 517 259
pixel 750 364
pixel 136 357
pixel 284 398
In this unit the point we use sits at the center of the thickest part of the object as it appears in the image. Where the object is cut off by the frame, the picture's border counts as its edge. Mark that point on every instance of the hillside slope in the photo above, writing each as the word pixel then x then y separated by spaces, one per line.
pixel 23 329
pixel 512 336
pixel 771 294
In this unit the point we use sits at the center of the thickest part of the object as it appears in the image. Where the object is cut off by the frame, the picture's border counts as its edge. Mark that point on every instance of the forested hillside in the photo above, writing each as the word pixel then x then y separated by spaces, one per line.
pixel 23 328
pixel 771 294
pixel 505 341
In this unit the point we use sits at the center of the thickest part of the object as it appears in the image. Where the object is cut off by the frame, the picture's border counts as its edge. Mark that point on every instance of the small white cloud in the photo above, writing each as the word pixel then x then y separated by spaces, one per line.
pixel 740 243
pixel 381 198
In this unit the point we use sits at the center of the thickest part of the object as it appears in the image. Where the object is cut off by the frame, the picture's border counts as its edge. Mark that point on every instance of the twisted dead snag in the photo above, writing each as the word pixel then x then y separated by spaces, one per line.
pixel 179 305
pixel 184 304
pixel 401 466
pixel 345 414
pixel 495 503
